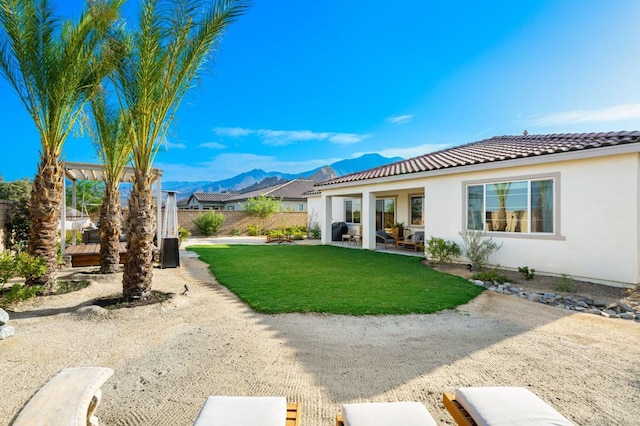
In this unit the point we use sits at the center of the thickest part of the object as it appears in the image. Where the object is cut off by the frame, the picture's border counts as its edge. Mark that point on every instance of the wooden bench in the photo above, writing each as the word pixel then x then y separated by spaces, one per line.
pixel 69 398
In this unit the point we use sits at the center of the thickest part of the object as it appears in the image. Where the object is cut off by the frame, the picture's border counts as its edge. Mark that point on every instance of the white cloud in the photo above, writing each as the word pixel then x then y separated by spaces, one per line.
pixel 347 138
pixel 212 145
pixel 232 131
pixel 409 152
pixel 175 145
pixel 287 137
pixel 399 119
pixel 614 113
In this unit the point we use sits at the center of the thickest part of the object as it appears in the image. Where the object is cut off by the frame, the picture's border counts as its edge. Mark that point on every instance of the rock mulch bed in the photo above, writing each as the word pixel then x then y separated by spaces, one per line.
pixel 577 303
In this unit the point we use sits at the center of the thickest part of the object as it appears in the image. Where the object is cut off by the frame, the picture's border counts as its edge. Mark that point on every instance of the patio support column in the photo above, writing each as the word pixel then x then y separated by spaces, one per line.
pixel 368 220
pixel 326 210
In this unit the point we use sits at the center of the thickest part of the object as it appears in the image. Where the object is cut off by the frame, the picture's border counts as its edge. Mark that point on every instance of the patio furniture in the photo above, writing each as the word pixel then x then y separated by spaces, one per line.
pixel 496 406
pixel 385 413
pixel 414 241
pixel 69 398
pixel 383 237
pixel 338 229
pixel 248 411
pixel 349 236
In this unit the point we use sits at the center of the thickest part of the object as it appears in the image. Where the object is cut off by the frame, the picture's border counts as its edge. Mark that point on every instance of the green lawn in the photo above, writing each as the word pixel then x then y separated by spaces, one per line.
pixel 289 278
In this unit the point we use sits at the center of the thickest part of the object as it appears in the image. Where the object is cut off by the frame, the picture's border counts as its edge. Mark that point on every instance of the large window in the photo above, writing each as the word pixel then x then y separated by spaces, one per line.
pixel 523 206
pixel 416 210
pixel 352 211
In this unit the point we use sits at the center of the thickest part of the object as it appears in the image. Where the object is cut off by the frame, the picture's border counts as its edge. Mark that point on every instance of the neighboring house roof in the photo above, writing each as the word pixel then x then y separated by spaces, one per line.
pixel 212 197
pixel 498 148
pixel 291 190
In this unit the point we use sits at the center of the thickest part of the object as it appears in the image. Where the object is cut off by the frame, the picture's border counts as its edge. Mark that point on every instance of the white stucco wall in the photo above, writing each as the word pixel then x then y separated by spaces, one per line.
pixel 597 206
pixel 598 212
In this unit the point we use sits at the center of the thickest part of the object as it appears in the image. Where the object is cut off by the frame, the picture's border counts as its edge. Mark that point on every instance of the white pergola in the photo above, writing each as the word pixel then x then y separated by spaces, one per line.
pixel 85 171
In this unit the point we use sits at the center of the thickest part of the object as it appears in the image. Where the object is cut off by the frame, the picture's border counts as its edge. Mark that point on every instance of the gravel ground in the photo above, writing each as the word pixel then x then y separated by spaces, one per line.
pixel 168 357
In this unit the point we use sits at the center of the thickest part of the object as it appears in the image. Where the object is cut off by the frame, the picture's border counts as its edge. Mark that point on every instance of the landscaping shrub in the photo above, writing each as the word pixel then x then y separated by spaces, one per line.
pixel 18 293
pixel 20 265
pixel 209 223
pixel 528 274
pixel 441 250
pixel 564 284
pixel 478 247
pixel 183 233
pixel 253 230
pixel 490 275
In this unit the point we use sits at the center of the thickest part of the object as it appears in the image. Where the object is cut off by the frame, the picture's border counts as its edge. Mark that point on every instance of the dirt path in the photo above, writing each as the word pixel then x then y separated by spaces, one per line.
pixel 167 358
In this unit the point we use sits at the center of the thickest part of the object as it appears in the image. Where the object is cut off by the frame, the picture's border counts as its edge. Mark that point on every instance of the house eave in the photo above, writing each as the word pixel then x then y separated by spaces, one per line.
pixel 494 165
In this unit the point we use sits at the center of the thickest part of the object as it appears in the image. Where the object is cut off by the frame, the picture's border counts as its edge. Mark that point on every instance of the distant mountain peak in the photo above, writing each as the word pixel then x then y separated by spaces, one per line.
pixel 258 178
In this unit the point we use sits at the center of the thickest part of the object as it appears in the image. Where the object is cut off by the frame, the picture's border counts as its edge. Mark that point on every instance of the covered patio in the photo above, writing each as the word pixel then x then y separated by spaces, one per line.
pixel 88 253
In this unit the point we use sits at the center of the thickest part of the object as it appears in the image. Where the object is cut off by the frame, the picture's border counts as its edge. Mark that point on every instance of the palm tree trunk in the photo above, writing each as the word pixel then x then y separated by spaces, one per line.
pixel 141 227
pixel 110 229
pixel 44 213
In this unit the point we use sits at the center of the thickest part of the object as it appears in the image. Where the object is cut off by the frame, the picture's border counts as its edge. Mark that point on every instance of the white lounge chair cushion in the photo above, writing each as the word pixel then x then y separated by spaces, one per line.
pixel 513 406
pixel 243 410
pixel 386 413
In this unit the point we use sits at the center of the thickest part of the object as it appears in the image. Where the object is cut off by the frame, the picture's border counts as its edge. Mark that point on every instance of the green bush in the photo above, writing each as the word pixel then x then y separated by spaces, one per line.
pixel 209 223
pixel 478 248
pixel 314 230
pixel 18 293
pixel 183 233
pixel 564 284
pixel 441 250
pixel 235 232
pixel 20 265
pixel 528 274
pixel 490 275
pixel 253 230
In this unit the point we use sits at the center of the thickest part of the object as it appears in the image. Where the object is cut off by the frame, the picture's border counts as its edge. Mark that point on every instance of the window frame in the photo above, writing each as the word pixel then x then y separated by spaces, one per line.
pixel 554 176
pixel 353 218
pixel 411 197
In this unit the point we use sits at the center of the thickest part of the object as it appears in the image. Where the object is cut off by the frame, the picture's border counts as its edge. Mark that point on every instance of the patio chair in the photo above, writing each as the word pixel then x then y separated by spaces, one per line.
pixel 496 406
pixel 248 411
pixel 383 237
pixel 385 413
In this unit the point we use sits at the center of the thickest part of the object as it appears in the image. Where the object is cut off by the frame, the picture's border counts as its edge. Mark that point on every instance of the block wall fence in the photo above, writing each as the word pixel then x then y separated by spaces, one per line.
pixel 239 220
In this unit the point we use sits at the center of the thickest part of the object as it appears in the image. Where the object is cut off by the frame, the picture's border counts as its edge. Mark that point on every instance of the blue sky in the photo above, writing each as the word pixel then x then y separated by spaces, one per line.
pixel 298 84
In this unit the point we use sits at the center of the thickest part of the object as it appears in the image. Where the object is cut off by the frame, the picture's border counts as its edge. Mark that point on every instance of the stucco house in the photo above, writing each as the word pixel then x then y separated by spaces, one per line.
pixel 559 203
pixel 292 194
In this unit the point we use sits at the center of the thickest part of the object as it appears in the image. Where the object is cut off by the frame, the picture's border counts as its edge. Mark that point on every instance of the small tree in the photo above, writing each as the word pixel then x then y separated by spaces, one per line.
pixel 262 207
pixel 209 223
pixel 478 247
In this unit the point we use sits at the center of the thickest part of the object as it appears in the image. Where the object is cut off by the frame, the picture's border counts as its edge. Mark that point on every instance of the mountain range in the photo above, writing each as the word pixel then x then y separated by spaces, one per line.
pixel 257 178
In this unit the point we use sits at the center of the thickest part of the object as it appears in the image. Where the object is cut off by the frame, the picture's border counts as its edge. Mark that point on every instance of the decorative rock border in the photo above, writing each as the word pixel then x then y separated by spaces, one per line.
pixel 574 303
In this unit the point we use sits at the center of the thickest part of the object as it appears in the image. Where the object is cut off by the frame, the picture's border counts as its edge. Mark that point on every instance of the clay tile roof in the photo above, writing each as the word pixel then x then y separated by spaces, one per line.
pixel 290 190
pixel 497 148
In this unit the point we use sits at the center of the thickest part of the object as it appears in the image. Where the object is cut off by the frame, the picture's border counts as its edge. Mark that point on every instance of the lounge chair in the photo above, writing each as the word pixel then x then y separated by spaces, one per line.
pixel 497 406
pixel 384 414
pixel 383 237
pixel 248 411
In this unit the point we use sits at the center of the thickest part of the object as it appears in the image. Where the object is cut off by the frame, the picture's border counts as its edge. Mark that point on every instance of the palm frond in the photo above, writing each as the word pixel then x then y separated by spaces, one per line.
pixel 174 40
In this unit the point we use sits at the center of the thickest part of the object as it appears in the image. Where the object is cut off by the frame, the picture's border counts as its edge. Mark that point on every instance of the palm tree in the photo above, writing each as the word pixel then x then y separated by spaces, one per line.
pixel 174 39
pixel 113 145
pixel 54 65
